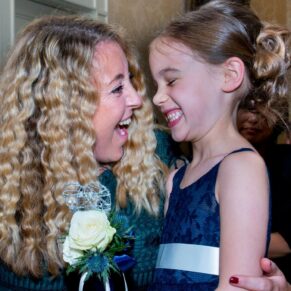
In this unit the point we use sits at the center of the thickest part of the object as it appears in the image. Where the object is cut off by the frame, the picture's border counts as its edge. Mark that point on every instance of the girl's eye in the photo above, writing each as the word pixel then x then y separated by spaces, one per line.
pixel 171 83
pixel 130 76
pixel 117 90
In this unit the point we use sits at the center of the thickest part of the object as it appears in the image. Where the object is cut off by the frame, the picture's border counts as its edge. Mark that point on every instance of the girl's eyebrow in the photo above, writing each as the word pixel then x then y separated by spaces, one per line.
pixel 168 70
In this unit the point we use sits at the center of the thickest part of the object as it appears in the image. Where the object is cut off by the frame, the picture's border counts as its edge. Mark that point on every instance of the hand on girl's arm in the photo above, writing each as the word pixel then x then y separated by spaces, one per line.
pixel 273 280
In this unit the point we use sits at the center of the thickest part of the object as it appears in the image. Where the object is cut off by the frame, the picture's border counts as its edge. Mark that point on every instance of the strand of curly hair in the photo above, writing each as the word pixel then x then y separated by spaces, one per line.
pixel 141 174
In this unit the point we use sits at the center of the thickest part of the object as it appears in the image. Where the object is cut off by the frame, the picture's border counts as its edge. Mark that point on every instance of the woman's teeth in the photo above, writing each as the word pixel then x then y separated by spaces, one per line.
pixel 125 122
pixel 122 126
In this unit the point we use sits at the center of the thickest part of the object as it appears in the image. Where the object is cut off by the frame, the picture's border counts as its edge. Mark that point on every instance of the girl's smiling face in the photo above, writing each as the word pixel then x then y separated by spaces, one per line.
pixel 188 92
pixel 117 101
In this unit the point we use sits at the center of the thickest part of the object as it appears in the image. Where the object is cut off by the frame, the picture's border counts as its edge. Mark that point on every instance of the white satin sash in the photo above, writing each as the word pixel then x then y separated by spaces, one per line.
pixel 189 257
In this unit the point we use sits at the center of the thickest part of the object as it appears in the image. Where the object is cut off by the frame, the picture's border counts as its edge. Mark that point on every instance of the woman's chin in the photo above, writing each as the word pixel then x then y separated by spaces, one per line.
pixel 112 157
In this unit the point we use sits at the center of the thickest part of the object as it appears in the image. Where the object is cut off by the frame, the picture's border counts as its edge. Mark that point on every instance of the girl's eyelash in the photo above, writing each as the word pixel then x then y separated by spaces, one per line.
pixel 171 82
pixel 117 90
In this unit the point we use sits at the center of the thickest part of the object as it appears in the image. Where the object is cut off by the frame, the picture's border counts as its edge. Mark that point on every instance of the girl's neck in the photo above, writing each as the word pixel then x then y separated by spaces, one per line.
pixel 216 146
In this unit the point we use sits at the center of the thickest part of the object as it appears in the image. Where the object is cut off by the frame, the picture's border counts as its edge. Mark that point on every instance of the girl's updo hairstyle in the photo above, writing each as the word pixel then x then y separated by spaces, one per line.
pixel 222 29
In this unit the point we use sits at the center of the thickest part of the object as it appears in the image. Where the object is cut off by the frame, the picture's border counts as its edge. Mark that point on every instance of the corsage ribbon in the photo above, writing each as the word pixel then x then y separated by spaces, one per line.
pixel 124 262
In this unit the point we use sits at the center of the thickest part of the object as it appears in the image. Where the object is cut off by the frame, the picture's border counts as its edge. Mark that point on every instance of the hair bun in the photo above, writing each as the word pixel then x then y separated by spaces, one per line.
pixel 272 56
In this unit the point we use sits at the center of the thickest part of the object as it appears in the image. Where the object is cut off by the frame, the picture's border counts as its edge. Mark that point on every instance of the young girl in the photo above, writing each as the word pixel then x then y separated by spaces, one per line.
pixel 204 64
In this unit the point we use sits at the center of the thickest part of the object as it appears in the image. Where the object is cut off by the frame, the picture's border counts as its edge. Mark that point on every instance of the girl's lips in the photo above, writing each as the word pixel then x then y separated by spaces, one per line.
pixel 173 116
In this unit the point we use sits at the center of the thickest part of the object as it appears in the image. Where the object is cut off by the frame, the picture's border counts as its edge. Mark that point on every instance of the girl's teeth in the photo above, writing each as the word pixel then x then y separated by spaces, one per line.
pixel 174 116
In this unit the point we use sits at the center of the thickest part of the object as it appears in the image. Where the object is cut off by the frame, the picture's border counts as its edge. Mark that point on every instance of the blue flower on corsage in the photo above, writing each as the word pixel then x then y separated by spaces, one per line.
pixel 97 263
pixel 98 239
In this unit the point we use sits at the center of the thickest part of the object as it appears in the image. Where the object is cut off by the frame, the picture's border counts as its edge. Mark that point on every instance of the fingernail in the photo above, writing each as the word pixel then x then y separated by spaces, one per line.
pixel 233 280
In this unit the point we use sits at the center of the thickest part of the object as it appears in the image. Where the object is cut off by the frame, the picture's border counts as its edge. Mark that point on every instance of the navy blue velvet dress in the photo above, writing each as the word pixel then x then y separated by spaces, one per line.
pixel 192 222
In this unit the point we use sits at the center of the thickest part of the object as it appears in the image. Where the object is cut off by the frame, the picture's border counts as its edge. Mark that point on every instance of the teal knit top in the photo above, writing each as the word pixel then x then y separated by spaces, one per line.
pixel 147 230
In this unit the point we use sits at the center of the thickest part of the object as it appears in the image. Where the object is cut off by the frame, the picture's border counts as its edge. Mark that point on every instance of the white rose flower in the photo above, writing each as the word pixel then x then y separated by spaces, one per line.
pixel 70 255
pixel 90 229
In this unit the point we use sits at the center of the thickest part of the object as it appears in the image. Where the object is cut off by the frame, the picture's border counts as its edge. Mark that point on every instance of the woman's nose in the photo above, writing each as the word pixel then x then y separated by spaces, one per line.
pixel 134 100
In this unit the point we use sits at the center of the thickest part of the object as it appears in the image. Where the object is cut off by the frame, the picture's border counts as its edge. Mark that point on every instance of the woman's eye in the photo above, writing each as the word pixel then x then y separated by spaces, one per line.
pixel 117 90
pixel 130 76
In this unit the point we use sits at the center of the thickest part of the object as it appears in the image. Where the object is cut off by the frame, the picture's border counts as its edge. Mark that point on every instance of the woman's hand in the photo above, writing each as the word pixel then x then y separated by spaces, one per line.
pixel 273 279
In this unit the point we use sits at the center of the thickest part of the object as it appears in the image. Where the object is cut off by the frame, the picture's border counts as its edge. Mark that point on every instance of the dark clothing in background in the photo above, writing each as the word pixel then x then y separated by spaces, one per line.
pixel 278 160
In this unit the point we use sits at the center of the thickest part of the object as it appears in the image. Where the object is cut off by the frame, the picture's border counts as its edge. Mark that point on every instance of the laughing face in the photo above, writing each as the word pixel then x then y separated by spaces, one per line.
pixel 188 90
pixel 117 101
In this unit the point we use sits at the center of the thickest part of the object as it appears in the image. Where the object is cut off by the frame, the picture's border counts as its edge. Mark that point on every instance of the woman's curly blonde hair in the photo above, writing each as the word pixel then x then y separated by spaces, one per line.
pixel 47 102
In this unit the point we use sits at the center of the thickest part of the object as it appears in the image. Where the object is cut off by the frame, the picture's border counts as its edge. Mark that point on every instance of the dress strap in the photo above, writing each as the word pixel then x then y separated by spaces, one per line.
pixel 213 171
pixel 179 175
pixel 216 167
pixel 240 150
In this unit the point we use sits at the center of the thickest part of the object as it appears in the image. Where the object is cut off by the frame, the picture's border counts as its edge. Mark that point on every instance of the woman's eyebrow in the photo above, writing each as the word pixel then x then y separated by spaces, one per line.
pixel 116 78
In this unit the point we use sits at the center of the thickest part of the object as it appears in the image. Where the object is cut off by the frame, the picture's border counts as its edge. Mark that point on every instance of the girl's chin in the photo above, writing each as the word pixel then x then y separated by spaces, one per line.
pixel 178 137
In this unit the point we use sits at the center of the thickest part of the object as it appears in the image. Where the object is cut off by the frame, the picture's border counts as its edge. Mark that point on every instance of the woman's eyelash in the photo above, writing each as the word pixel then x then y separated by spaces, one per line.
pixel 117 90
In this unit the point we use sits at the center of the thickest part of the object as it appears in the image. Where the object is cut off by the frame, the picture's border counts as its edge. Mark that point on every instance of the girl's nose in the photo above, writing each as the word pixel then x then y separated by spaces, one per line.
pixel 160 98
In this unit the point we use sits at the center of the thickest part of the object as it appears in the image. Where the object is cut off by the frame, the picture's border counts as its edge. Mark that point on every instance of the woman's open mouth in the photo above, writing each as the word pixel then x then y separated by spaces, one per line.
pixel 122 127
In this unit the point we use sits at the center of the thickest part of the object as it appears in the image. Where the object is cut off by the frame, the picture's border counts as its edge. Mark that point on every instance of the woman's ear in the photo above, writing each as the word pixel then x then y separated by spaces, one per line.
pixel 234 71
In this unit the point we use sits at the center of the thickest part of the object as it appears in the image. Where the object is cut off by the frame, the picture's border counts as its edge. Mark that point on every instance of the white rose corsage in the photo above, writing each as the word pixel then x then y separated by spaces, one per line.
pixel 97 243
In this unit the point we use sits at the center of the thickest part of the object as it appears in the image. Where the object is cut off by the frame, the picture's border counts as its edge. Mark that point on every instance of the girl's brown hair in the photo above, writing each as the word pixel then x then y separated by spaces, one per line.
pixel 221 29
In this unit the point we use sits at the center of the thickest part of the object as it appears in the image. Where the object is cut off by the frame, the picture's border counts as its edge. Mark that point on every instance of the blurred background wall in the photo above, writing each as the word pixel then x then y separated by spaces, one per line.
pixel 142 18
pixel 273 10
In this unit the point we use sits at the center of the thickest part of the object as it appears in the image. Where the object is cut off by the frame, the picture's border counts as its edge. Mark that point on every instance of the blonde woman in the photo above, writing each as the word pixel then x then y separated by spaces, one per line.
pixel 62 74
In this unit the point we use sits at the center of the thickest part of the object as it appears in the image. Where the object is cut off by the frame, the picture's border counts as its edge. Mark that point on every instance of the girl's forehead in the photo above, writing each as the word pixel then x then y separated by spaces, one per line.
pixel 170 46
